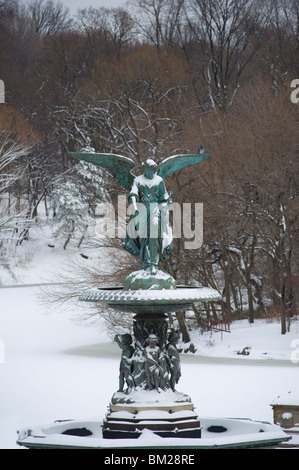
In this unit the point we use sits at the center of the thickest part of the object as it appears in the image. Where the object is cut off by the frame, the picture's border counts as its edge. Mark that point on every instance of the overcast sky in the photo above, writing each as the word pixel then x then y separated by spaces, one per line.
pixel 73 5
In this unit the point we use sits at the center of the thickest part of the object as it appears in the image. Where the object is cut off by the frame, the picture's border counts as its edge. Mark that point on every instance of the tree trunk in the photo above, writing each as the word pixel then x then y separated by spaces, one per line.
pixel 185 333
pixel 69 236
pixel 250 299
pixel 283 321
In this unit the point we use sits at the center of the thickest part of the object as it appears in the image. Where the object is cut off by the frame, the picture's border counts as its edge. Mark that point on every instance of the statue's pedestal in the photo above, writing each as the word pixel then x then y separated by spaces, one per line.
pixel 145 280
pixel 166 413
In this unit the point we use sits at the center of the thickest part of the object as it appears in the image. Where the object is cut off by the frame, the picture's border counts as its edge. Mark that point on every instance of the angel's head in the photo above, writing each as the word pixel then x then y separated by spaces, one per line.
pixel 150 167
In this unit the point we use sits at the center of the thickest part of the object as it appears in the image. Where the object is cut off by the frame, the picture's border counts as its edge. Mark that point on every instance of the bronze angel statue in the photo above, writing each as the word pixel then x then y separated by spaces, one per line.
pixel 149 235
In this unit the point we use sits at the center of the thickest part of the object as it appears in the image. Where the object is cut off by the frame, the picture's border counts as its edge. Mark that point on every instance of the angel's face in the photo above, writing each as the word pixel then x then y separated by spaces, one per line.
pixel 149 172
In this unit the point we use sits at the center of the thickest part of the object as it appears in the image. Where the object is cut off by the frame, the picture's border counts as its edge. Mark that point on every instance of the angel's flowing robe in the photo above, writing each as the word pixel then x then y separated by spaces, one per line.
pixel 149 235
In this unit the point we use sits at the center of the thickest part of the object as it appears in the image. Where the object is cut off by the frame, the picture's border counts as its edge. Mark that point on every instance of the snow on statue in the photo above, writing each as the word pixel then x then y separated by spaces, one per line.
pixel 149 235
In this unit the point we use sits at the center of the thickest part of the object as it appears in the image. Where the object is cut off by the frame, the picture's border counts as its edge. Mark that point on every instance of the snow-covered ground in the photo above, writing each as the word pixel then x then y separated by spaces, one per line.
pixel 262 340
pixel 52 368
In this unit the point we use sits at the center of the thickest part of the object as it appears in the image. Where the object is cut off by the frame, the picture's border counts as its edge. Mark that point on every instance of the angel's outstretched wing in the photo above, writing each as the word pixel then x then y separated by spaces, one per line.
pixel 178 162
pixel 118 165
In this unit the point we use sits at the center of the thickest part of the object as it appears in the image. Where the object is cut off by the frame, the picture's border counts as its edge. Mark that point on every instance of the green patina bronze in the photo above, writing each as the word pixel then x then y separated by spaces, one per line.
pixel 150 293
pixel 149 235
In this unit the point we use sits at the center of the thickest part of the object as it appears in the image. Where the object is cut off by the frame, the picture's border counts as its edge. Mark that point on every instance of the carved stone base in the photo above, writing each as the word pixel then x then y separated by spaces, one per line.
pixel 150 399
pixel 167 414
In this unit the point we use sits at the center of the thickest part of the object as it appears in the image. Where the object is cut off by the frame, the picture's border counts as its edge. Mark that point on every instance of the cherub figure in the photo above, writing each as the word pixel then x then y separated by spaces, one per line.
pixel 153 369
pixel 125 343
pixel 174 361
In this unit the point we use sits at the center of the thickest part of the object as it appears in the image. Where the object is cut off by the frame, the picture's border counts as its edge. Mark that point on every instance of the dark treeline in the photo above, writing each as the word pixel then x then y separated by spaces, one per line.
pixel 155 79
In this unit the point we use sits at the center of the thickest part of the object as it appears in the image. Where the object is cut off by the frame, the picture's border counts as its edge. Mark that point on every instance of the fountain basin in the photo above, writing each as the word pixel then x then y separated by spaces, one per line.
pixel 151 301
pixel 217 433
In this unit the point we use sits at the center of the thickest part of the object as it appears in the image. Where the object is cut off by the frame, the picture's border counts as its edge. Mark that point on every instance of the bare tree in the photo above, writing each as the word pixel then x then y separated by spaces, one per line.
pixel 48 17
pixel 10 151
pixel 230 33
pixel 106 31
pixel 13 217
pixel 280 50
pixel 254 202
pixel 159 21
pixel 138 113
